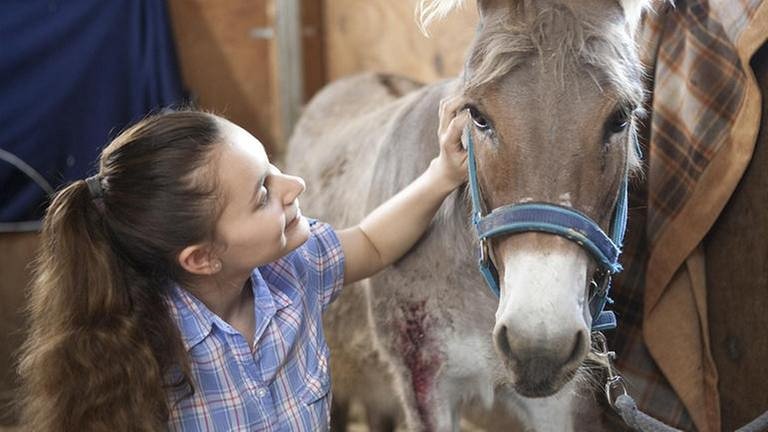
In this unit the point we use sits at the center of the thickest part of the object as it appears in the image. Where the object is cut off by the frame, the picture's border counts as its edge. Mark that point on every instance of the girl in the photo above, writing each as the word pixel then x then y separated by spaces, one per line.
pixel 181 288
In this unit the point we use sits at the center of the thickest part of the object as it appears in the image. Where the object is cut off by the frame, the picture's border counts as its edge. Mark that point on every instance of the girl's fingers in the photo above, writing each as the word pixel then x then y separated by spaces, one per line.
pixel 453 104
pixel 452 137
pixel 448 110
pixel 442 117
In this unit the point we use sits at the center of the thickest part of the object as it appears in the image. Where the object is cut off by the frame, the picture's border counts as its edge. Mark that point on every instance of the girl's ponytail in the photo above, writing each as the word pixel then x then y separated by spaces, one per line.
pixel 86 357
pixel 103 352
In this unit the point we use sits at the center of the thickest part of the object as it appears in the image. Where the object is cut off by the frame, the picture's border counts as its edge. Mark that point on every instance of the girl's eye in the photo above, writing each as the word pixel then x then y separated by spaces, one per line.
pixel 479 119
pixel 264 200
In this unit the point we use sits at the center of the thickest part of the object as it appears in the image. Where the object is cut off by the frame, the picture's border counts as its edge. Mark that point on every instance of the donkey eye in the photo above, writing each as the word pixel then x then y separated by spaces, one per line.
pixel 478 119
pixel 617 122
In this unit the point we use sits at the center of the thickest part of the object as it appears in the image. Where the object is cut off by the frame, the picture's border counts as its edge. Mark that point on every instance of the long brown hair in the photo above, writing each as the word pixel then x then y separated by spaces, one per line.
pixel 102 343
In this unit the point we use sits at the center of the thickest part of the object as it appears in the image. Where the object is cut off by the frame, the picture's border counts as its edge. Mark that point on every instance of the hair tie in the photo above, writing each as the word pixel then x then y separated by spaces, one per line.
pixel 94 186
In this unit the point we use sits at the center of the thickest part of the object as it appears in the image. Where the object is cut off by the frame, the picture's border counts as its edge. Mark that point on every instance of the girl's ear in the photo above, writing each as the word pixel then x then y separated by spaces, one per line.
pixel 198 260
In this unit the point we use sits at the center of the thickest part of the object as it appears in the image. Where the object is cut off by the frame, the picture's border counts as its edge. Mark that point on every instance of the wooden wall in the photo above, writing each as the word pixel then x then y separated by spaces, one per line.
pixel 382 35
pixel 224 60
pixel 229 53
pixel 17 251
pixel 227 50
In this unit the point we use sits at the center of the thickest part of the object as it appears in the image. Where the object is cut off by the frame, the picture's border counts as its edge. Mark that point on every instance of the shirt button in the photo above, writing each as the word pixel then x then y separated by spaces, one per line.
pixel 261 392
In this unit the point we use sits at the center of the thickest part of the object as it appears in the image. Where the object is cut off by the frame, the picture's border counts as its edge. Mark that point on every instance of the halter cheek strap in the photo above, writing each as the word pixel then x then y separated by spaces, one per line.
pixel 552 219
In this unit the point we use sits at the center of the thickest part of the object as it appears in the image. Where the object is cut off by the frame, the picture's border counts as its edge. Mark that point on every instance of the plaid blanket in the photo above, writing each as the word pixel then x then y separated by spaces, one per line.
pixel 698 139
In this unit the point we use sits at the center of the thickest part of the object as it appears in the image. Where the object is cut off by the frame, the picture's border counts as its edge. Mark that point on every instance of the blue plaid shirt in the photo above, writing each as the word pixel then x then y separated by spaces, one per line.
pixel 280 382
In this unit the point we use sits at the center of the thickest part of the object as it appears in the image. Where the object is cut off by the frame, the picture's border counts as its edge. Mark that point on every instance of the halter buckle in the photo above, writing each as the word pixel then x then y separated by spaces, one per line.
pixel 598 286
pixel 485 253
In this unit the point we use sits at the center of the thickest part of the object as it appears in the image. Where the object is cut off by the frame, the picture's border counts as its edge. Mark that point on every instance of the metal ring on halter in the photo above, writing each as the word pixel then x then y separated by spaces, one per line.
pixel 600 343
pixel 598 286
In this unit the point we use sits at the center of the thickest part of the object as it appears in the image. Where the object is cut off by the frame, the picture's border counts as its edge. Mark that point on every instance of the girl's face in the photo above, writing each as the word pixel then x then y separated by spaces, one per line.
pixel 261 220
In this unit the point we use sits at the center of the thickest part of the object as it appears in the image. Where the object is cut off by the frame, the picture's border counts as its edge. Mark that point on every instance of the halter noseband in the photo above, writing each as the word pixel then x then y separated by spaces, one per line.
pixel 552 219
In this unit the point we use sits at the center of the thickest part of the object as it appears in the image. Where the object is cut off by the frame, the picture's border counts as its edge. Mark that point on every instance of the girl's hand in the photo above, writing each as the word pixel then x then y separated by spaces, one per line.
pixel 389 231
pixel 452 161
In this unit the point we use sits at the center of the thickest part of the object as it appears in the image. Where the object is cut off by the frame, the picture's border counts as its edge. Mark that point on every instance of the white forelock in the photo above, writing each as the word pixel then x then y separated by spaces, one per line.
pixel 633 11
pixel 428 11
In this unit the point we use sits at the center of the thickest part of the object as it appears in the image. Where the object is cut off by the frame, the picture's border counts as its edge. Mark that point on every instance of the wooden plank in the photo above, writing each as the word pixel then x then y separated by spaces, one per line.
pixel 382 35
pixel 16 253
pixel 737 283
pixel 314 47
pixel 226 53
pixel 290 63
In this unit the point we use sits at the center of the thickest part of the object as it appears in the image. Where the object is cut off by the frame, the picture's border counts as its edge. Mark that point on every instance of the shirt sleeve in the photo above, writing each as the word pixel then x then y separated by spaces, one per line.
pixel 325 261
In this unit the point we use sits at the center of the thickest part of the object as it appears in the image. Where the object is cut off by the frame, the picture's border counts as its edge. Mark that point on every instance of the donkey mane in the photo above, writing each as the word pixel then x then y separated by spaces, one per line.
pixel 429 11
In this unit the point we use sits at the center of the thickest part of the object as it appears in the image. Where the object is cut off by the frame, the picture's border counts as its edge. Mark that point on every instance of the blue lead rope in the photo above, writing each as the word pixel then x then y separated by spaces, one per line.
pixel 551 219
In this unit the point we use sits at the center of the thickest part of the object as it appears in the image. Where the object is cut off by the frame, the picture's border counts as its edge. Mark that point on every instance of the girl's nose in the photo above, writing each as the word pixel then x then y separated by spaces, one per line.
pixel 294 186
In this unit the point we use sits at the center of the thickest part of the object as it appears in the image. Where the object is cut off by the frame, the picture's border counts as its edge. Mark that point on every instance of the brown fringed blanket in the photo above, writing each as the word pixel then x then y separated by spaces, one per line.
pixel 703 121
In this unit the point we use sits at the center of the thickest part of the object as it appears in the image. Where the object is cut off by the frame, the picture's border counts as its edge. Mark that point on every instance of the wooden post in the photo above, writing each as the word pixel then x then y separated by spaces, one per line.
pixel 290 64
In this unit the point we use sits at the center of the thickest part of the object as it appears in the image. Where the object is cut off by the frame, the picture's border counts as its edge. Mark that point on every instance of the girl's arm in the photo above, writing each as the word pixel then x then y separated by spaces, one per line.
pixel 393 228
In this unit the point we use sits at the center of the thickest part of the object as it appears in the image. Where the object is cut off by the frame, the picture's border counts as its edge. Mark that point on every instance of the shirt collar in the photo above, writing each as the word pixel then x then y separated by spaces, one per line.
pixel 280 280
pixel 195 321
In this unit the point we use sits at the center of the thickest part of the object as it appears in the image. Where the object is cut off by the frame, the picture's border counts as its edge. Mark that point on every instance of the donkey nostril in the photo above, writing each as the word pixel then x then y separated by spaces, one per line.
pixel 578 348
pixel 502 342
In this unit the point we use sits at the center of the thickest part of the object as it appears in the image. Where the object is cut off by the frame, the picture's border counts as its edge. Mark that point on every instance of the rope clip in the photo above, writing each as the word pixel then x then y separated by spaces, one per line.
pixel 615 384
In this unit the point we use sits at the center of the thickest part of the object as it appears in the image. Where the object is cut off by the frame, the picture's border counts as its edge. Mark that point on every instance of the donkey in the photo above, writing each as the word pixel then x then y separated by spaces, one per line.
pixel 553 89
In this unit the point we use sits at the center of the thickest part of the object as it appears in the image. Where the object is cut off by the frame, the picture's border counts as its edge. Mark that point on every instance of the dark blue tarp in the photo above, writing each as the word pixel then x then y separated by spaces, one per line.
pixel 73 74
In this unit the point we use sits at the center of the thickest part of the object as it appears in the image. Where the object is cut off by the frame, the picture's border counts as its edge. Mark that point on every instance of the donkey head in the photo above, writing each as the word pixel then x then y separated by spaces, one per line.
pixel 553 87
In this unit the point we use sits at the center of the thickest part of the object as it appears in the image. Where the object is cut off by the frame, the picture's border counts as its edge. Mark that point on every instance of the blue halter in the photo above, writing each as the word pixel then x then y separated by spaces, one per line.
pixel 558 220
